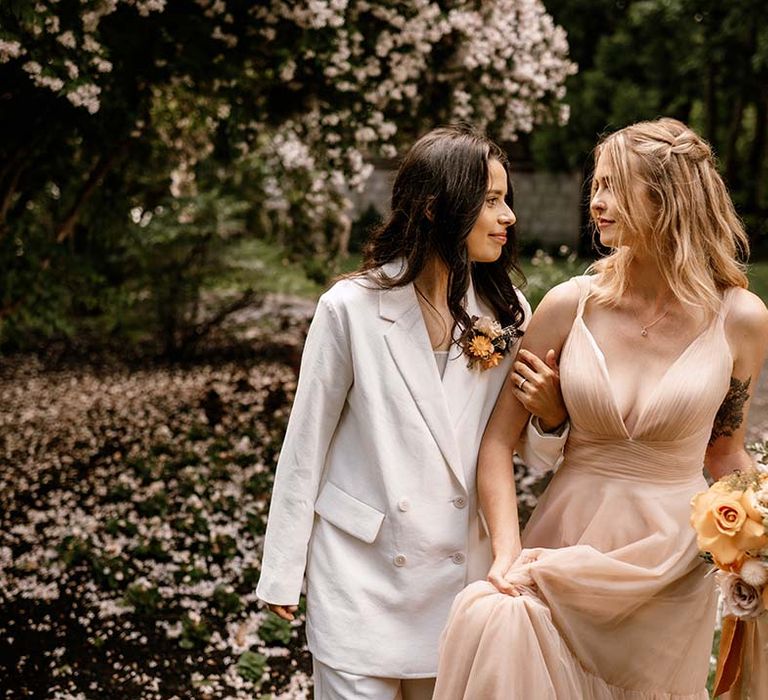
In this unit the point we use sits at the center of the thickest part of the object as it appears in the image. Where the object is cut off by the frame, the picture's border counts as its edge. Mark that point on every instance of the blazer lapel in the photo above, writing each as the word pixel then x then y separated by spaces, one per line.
pixel 408 342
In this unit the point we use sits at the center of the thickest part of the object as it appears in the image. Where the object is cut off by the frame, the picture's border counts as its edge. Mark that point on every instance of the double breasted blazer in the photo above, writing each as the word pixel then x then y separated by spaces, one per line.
pixel 374 496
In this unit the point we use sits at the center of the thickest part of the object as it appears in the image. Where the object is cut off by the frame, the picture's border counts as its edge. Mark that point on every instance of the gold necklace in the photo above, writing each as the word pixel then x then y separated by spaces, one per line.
pixel 432 308
pixel 644 328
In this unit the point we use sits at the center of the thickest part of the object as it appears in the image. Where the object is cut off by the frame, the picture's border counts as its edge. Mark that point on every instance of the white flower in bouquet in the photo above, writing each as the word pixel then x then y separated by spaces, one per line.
pixel 760 501
pixel 488 326
pixel 739 598
pixel 754 572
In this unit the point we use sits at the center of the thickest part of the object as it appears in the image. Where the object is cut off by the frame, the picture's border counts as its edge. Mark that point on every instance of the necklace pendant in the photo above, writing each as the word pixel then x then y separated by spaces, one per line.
pixel 644 332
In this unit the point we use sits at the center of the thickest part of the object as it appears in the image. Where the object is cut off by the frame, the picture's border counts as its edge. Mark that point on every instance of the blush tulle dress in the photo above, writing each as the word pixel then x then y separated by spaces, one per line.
pixel 617 604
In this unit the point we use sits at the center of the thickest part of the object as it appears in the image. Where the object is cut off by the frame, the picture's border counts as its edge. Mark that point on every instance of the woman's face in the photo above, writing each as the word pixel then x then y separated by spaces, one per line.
pixel 604 208
pixel 603 205
pixel 489 234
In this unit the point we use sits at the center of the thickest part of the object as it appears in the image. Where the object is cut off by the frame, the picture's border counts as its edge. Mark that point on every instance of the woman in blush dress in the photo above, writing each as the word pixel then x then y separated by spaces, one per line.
pixel 660 349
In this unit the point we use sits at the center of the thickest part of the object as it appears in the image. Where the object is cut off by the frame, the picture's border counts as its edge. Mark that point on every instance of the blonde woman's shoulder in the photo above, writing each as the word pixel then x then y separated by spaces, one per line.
pixel 557 310
pixel 553 318
pixel 747 317
pixel 564 297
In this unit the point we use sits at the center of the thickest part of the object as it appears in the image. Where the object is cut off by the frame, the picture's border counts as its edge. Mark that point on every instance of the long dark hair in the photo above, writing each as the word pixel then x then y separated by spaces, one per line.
pixel 438 194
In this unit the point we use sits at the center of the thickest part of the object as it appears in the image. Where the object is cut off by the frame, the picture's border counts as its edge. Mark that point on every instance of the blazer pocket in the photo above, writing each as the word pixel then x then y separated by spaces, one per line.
pixel 348 514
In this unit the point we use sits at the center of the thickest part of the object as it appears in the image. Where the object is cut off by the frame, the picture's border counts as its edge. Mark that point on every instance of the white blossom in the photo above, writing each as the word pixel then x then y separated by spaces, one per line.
pixel 10 50
pixel 86 95
pixel 67 39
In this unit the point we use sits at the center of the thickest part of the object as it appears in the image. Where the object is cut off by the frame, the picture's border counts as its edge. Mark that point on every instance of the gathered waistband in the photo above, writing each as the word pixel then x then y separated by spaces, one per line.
pixel 678 461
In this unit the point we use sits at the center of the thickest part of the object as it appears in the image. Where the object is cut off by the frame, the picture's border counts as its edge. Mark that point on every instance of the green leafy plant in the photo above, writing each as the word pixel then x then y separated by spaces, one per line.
pixel 146 600
pixel 251 666
pixel 195 632
pixel 275 629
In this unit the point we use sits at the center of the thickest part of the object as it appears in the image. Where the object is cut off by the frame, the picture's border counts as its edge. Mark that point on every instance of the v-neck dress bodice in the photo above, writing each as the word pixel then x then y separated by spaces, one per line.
pixel 617 603
pixel 668 440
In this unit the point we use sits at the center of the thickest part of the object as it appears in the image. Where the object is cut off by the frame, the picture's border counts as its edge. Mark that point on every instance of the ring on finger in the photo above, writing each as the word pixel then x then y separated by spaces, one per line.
pixel 520 385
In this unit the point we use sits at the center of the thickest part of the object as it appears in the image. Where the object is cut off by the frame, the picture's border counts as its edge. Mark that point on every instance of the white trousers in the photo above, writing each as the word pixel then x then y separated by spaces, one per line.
pixel 331 684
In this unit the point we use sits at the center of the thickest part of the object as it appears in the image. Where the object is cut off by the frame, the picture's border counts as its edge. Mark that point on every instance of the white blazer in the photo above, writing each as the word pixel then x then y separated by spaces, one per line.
pixel 374 495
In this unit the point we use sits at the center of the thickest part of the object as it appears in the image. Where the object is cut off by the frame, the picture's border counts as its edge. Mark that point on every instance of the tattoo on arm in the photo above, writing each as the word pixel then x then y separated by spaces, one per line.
pixel 730 415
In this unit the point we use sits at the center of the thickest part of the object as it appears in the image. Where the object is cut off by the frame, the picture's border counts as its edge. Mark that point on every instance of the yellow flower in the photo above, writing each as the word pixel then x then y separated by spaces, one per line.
pixel 726 523
pixel 481 347
pixel 492 361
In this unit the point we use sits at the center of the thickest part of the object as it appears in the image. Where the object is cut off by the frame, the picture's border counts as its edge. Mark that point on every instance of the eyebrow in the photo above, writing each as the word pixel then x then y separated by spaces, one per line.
pixel 495 192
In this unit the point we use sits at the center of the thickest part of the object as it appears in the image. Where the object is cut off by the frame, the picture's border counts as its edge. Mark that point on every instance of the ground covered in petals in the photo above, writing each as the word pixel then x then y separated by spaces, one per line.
pixel 133 504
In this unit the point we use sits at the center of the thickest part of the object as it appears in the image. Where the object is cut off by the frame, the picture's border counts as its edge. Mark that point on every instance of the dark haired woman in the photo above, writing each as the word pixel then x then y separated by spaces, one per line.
pixel 375 489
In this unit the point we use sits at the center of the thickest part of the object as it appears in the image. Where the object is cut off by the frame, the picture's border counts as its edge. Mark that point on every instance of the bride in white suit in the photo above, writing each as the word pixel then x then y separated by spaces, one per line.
pixel 374 497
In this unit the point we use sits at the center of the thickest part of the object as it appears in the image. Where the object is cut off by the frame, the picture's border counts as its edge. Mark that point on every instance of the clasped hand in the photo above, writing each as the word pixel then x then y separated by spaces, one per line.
pixel 536 385
pixel 509 576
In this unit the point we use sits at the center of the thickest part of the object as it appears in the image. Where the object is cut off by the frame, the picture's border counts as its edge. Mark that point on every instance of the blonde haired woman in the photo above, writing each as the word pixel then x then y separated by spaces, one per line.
pixel 660 349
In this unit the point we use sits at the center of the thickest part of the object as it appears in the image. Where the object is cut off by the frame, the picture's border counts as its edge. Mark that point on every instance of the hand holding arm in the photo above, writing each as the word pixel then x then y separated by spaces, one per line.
pixel 536 385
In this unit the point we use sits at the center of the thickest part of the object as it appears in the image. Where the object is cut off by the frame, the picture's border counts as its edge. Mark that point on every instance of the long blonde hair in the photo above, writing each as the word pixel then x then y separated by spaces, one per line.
pixel 692 228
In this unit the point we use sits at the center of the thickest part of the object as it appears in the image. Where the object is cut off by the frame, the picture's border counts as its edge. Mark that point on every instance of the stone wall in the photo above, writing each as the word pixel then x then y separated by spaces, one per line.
pixel 546 204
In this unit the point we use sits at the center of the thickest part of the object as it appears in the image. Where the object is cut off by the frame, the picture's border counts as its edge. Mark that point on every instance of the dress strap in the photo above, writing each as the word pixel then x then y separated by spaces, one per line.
pixel 725 305
pixel 584 283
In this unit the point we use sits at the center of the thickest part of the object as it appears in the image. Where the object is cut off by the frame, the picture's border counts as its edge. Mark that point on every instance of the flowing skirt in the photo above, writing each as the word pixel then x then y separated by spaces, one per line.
pixel 616 603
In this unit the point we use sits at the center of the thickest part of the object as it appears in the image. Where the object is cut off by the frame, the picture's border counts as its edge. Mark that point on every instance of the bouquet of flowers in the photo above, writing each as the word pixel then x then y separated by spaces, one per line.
pixel 487 342
pixel 731 523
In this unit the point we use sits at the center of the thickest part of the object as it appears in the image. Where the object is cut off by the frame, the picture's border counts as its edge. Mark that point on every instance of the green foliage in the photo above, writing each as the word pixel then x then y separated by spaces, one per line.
pixel 131 170
pixel 73 550
pixel 152 548
pixel 175 248
pixel 758 279
pixel 110 572
pixel 195 632
pixel 226 601
pixel 543 271
pixel 251 666
pixel 275 629
pixel 146 600
pixel 702 61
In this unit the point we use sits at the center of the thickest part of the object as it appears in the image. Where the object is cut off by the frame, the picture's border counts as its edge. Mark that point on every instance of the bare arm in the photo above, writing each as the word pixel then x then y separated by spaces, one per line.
pixel 747 332
pixel 495 475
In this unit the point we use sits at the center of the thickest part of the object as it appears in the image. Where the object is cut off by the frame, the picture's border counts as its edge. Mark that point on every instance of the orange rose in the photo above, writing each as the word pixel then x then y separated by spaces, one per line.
pixel 727 525
pixel 729 517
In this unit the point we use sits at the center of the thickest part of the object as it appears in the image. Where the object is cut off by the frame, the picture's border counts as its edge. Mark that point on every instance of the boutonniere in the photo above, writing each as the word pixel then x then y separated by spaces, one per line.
pixel 487 342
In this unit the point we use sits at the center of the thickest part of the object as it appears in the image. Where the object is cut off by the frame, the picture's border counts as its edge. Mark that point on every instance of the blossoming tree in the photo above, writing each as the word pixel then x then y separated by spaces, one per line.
pixel 282 103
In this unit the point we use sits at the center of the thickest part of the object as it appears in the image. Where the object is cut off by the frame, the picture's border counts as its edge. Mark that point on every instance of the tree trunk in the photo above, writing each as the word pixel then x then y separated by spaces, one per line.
pixel 7 198
pixel 757 155
pixel 730 159
pixel 67 227
pixel 710 97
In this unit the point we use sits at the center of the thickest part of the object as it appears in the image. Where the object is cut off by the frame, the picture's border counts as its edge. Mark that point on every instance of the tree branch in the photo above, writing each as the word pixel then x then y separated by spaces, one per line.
pixel 200 330
pixel 67 227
